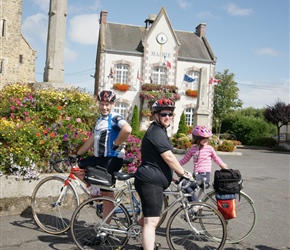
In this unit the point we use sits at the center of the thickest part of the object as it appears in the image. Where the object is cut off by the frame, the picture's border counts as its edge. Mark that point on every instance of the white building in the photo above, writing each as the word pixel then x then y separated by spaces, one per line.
pixel 156 54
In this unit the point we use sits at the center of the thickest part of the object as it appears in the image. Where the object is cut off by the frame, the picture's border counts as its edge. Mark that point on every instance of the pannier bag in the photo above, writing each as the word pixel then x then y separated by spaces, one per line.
pixel 226 204
pixel 228 181
pixel 98 176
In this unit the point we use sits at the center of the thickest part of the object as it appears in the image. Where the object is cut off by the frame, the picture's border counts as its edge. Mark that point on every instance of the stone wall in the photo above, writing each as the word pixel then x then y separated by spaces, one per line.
pixel 17 58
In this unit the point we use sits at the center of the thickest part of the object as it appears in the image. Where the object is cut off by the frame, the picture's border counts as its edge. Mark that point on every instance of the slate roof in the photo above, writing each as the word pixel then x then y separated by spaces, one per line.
pixel 123 38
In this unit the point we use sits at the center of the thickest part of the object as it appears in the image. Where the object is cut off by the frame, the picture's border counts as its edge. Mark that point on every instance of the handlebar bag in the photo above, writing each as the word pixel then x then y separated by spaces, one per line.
pixel 228 181
pixel 98 176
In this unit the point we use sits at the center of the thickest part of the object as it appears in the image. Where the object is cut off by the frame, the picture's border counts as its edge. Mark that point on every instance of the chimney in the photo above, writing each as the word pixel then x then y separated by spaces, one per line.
pixel 148 22
pixel 103 17
pixel 200 29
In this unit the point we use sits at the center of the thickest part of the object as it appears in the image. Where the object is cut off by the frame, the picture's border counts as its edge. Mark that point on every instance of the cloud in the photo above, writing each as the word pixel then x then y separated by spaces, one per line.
pixel 235 10
pixel 70 55
pixel 80 8
pixel 267 52
pixel 205 15
pixel 42 4
pixel 183 4
pixel 263 93
pixel 35 28
pixel 84 29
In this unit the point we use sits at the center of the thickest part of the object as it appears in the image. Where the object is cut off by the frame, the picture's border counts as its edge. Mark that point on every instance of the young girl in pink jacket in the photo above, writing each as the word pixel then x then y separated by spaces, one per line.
pixel 202 155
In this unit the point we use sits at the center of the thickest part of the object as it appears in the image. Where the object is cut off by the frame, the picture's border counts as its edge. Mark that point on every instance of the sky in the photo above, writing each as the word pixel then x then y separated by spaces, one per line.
pixel 250 38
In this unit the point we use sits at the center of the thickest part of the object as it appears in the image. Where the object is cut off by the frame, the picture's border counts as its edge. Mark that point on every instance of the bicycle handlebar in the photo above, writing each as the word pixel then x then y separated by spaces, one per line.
pixel 54 163
pixel 179 182
pixel 73 159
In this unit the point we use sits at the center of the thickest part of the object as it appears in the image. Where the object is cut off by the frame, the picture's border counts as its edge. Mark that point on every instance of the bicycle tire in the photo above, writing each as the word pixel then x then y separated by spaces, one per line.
pixel 137 205
pixel 51 217
pixel 242 226
pixel 204 229
pixel 85 226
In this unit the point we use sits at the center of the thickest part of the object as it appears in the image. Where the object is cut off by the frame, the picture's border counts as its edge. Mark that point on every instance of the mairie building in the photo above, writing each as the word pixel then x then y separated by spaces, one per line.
pixel 142 63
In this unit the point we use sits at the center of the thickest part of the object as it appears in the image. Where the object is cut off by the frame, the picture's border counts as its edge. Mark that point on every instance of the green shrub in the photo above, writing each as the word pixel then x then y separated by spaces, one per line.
pixel 182 127
pixel 181 141
pixel 214 142
pixel 140 134
pixel 135 121
pixel 226 146
pixel 247 129
pixel 265 142
pixel 36 125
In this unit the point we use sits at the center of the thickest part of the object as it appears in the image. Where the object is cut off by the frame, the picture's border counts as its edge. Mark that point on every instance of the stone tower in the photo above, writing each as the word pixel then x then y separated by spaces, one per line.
pixel 17 58
pixel 54 65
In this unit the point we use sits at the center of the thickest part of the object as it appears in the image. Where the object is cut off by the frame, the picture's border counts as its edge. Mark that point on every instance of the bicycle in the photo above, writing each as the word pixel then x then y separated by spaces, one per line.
pixel 186 228
pixel 243 225
pixel 238 228
pixel 55 198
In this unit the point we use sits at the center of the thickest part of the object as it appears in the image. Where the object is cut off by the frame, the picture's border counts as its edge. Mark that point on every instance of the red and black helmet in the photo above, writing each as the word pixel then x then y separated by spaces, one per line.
pixel 163 103
pixel 107 96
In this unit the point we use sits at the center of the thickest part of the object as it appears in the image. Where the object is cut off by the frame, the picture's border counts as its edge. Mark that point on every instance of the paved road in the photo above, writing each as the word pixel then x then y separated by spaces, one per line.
pixel 266 175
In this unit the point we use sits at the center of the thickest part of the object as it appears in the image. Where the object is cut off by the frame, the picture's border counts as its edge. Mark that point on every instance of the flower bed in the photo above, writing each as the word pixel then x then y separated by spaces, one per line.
pixel 191 93
pixel 157 91
pixel 121 86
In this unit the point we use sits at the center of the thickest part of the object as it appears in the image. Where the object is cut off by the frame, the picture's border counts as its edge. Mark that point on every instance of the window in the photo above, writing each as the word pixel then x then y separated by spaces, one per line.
pixel 122 73
pixel 121 108
pixel 20 58
pixel 1 66
pixel 194 74
pixel 159 75
pixel 3 28
pixel 189 116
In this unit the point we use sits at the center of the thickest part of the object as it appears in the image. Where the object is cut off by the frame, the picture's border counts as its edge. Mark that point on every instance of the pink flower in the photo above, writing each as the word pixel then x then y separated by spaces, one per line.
pixel 67 118
pixel 12 107
pixel 26 113
pixel 27 119
pixel 79 120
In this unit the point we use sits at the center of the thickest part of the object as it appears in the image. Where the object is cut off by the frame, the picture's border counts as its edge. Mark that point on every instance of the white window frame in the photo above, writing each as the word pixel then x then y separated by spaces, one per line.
pixel 121 108
pixel 189 118
pixel 159 75
pixel 193 74
pixel 122 73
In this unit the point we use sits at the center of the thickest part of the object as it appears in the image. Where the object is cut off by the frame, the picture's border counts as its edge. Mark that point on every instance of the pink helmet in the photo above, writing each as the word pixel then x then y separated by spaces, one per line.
pixel 201 131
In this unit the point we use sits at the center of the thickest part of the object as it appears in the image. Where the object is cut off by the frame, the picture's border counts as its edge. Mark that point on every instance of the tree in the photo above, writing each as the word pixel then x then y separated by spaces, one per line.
pixel 135 124
pixel 225 98
pixel 182 127
pixel 279 115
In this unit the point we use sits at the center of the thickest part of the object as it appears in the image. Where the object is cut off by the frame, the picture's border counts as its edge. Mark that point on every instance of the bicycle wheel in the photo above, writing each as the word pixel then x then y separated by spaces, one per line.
pixel 137 204
pixel 53 204
pixel 202 229
pixel 242 226
pixel 89 231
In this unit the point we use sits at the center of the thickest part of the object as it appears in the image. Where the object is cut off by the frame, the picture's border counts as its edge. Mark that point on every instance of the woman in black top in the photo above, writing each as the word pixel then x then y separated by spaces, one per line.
pixel 156 171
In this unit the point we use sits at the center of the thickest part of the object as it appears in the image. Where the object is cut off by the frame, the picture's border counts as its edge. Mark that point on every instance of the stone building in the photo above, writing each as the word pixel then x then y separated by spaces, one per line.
pixel 17 58
pixel 156 55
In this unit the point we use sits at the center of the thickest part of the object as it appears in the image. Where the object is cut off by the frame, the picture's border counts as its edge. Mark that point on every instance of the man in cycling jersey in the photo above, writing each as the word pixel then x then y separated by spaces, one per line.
pixel 110 131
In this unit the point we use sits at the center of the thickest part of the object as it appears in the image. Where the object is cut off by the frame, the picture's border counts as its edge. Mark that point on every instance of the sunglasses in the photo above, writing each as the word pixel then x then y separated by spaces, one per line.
pixel 166 114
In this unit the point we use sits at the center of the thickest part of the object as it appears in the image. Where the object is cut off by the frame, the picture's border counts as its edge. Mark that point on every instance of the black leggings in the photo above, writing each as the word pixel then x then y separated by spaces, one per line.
pixel 151 198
